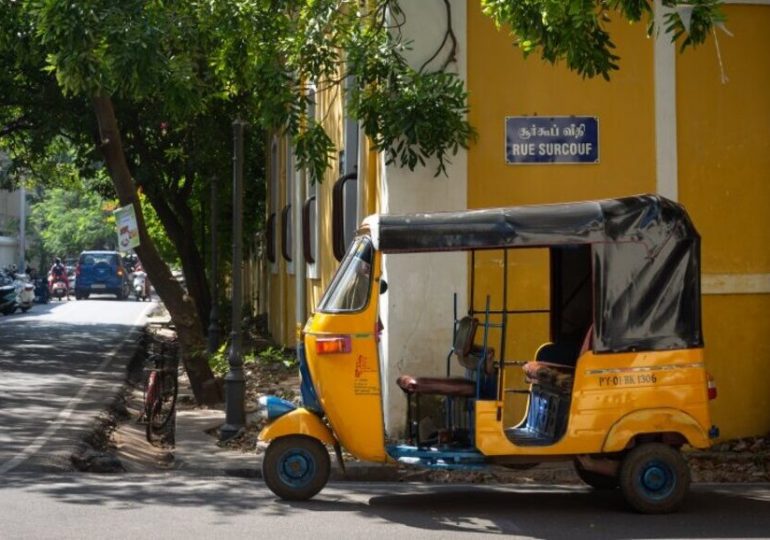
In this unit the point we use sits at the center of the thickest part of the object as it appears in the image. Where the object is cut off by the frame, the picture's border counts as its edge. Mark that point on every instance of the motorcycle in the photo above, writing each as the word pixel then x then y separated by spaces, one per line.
pixel 141 286
pixel 57 285
pixel 7 294
pixel 58 289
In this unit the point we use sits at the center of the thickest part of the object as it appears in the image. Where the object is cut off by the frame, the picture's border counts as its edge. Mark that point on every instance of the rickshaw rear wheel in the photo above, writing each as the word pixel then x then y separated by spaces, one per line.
pixel 654 478
pixel 296 467
pixel 601 482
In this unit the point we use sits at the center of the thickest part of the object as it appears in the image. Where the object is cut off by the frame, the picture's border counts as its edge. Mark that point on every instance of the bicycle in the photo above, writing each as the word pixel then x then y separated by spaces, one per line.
pixel 160 393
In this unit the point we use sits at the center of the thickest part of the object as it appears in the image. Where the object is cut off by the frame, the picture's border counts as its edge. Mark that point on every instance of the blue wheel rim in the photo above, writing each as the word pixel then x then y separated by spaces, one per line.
pixel 296 467
pixel 656 480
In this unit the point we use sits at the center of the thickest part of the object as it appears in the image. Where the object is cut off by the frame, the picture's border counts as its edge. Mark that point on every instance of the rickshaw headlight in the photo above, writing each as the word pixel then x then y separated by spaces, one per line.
pixel 333 345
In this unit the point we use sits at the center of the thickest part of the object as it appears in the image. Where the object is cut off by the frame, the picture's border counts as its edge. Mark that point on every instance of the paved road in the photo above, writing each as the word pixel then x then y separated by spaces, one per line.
pixel 177 506
pixel 60 364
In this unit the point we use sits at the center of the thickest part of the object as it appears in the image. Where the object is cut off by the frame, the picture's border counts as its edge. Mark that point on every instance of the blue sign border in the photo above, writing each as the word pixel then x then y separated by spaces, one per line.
pixel 552 140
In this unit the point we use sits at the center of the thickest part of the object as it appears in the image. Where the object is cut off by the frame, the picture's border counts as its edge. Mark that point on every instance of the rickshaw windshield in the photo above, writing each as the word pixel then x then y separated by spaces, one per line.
pixel 349 290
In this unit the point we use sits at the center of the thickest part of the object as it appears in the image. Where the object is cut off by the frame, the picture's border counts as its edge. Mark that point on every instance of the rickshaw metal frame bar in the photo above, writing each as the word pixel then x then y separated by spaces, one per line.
pixel 501 364
pixel 515 311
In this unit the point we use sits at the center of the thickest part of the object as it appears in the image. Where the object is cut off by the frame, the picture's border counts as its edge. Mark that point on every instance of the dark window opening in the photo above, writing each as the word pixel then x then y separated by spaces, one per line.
pixel 343 214
pixel 286 232
pixel 308 229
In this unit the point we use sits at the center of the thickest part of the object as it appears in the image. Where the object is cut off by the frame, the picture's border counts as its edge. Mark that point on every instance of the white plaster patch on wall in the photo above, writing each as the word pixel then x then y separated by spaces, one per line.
pixel 713 284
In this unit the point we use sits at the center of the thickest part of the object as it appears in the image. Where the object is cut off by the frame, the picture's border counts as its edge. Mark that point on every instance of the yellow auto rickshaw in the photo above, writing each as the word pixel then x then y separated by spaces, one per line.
pixel 619 389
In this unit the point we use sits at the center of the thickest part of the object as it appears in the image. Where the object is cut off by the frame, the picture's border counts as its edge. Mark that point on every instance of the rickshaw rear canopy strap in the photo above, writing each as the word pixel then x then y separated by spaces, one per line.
pixel 645 256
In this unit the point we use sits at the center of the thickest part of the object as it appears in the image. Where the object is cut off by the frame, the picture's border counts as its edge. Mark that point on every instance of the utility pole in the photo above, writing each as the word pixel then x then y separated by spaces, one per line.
pixel 22 228
pixel 235 415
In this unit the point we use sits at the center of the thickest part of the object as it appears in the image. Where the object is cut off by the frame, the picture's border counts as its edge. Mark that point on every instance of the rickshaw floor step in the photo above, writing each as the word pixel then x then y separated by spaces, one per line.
pixel 437 458
pixel 525 437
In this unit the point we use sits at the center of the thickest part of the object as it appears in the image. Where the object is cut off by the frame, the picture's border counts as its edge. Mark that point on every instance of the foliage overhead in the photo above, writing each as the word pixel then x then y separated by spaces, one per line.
pixel 576 31
pixel 69 221
pixel 188 56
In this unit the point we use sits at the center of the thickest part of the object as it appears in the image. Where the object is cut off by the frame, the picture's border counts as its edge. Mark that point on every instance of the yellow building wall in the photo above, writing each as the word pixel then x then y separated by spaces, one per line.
pixel 503 83
pixel 723 133
pixel 282 317
pixel 281 283
pixel 724 181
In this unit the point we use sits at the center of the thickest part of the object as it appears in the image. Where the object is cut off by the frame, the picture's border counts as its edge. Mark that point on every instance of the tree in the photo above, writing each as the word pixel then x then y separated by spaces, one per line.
pixel 153 86
pixel 577 32
pixel 69 221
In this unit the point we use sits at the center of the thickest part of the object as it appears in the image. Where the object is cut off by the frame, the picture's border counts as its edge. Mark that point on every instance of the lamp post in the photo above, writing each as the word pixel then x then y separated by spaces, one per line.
pixel 235 416
pixel 213 332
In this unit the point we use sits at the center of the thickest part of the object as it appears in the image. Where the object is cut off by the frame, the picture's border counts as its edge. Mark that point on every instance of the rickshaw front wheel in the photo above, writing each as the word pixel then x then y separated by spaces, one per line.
pixel 596 480
pixel 296 467
pixel 654 478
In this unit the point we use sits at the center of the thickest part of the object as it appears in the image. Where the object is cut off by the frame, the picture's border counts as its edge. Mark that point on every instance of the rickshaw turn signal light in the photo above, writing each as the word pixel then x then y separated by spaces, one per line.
pixel 333 345
pixel 712 387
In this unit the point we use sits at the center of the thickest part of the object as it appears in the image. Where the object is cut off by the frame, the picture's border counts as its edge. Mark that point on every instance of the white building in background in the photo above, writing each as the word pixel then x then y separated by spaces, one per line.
pixel 10 211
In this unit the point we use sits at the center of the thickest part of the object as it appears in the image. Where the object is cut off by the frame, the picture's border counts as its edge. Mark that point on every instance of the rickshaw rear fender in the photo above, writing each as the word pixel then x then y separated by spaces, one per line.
pixel 661 422
pixel 298 422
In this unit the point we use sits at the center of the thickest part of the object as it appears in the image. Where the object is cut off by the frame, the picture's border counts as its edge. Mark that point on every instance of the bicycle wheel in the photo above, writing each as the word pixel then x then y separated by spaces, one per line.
pixel 152 404
pixel 162 407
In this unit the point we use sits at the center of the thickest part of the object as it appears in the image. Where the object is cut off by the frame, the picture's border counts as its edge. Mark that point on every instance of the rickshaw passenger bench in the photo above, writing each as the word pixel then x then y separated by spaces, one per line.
pixel 551 375
pixel 469 357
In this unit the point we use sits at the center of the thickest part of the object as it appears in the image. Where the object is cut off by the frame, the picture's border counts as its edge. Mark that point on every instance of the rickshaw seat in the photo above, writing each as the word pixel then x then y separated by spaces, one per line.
pixel 467 354
pixel 554 363
pixel 442 386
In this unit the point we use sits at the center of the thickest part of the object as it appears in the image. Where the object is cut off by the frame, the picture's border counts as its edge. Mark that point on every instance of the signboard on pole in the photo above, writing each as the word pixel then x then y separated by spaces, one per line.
pixel 128 231
pixel 554 139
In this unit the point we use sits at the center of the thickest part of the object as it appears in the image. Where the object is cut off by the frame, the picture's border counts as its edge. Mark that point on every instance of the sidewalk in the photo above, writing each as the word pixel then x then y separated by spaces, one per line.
pixel 196 451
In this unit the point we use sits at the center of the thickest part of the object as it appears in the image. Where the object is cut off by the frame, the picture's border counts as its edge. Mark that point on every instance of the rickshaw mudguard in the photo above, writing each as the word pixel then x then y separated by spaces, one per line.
pixel 298 422
pixel 650 421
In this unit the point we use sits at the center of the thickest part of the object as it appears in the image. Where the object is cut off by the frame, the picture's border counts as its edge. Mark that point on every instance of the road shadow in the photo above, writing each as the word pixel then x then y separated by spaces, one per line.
pixel 54 379
pixel 540 512
pixel 573 512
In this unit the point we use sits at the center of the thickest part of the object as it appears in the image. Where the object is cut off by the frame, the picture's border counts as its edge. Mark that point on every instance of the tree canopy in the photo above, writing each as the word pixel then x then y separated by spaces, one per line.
pixel 577 31
pixel 147 90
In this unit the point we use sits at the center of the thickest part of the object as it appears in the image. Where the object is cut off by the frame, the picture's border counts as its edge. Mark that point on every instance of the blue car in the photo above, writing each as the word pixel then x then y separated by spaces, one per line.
pixel 101 272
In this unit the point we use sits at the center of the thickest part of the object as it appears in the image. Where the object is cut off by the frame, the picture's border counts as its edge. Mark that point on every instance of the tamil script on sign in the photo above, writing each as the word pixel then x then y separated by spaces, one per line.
pixel 555 139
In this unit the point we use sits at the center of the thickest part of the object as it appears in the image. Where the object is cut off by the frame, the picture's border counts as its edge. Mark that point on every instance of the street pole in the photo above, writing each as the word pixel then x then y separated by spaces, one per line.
pixel 235 416
pixel 213 337
pixel 22 228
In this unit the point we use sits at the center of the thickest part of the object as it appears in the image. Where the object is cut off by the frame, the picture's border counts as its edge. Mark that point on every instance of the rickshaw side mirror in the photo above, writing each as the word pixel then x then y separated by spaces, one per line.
pixel 383 286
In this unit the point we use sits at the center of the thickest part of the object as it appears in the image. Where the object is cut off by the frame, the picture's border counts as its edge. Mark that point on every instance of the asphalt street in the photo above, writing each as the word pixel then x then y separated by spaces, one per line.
pixel 175 505
pixel 60 365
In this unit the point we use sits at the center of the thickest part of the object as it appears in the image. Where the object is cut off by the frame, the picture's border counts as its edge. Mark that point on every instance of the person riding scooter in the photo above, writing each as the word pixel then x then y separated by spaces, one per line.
pixel 140 282
pixel 58 274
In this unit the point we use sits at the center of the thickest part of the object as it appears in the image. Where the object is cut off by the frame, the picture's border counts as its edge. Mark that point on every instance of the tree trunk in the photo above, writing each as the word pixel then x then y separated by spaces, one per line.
pixel 180 306
pixel 192 263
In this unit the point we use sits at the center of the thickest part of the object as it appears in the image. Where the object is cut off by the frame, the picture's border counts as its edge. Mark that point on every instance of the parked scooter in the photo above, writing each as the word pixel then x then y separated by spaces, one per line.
pixel 7 294
pixel 141 285
pixel 25 291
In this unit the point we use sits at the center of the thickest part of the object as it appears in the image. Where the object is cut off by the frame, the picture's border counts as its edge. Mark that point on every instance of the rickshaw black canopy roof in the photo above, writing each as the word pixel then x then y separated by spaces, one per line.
pixel 645 257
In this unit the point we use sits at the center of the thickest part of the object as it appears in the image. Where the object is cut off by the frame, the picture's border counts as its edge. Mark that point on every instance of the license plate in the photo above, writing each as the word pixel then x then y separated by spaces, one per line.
pixel 98 286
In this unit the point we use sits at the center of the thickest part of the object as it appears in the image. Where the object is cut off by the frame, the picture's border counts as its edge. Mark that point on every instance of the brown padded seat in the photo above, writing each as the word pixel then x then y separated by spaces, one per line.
pixel 556 374
pixel 444 386
pixel 464 350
